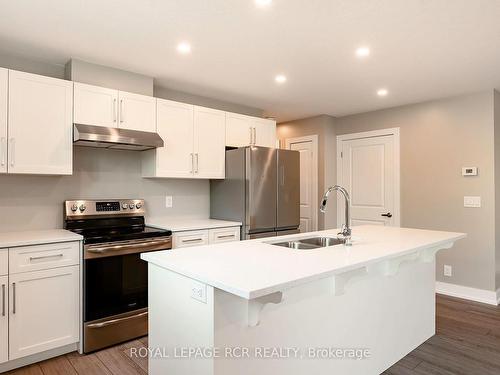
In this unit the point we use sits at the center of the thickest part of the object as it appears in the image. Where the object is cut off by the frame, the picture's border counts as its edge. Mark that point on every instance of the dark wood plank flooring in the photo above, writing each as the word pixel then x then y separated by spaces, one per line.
pixel 467 342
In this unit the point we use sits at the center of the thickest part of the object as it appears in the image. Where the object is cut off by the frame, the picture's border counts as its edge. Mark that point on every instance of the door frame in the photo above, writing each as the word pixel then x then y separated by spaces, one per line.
pixel 395 132
pixel 315 202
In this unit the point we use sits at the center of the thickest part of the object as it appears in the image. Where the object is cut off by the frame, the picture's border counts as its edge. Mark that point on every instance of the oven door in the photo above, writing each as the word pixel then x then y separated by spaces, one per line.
pixel 116 291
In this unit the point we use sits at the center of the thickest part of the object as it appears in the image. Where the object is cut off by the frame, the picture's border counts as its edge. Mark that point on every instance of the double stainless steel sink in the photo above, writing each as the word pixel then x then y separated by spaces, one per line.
pixel 308 243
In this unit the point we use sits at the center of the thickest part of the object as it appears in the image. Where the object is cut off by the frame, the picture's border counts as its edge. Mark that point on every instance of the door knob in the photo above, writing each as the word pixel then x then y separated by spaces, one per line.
pixel 387 214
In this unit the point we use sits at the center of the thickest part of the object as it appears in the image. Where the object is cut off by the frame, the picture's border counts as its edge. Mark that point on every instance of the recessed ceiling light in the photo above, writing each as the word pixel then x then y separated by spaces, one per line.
pixel 363 52
pixel 263 3
pixel 382 92
pixel 184 48
pixel 280 78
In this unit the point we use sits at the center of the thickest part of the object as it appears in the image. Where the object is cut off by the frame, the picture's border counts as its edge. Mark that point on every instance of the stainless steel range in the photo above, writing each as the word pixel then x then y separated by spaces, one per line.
pixel 115 279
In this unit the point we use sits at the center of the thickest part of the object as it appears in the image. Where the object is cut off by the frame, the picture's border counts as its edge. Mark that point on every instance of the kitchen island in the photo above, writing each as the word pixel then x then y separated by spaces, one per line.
pixel 255 308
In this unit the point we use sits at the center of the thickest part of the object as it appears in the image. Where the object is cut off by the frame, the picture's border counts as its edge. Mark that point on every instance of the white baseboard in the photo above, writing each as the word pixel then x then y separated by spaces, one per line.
pixel 465 292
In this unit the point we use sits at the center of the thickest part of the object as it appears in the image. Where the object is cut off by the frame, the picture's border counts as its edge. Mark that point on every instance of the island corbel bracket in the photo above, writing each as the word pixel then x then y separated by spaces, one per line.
pixel 256 305
pixel 428 255
pixel 390 267
pixel 340 281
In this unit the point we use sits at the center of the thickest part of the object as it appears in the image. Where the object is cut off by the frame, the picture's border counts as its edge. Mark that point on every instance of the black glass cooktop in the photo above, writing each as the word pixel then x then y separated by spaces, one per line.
pixel 114 229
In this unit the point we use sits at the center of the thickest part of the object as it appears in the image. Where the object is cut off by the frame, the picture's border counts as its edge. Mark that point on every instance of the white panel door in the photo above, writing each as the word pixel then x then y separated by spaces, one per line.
pixel 94 105
pixel 209 143
pixel 44 310
pixel 264 132
pixel 308 205
pixel 238 130
pixel 4 319
pixel 137 112
pixel 175 126
pixel 368 174
pixel 4 74
pixel 40 125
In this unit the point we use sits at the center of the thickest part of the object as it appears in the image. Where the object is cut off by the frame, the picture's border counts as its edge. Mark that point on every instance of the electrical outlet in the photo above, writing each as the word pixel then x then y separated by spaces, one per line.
pixel 448 271
pixel 168 201
pixel 199 292
pixel 474 202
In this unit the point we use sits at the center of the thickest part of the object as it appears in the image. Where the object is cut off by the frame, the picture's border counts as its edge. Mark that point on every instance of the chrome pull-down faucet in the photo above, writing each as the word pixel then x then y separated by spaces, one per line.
pixel 346 228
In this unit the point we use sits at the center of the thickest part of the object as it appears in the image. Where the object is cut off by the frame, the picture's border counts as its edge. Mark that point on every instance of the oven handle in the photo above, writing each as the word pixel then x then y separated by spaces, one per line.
pixel 103 249
pixel 116 321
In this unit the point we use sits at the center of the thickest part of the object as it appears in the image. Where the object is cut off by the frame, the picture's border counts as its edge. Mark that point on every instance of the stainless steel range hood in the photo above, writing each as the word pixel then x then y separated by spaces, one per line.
pixel 114 138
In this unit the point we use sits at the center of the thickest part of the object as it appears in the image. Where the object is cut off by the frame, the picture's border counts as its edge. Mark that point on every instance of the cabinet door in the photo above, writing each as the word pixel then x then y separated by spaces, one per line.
pixel 175 126
pixel 43 310
pixel 4 319
pixel 40 125
pixel 209 143
pixel 238 130
pixel 137 112
pixel 221 235
pixel 4 73
pixel 265 132
pixel 94 105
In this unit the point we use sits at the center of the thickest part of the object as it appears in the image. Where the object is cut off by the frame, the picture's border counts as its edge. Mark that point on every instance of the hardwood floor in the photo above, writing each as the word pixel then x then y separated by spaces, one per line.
pixel 467 342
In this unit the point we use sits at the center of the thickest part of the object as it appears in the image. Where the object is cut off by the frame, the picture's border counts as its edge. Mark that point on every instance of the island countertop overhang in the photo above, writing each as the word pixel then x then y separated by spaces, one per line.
pixel 255 268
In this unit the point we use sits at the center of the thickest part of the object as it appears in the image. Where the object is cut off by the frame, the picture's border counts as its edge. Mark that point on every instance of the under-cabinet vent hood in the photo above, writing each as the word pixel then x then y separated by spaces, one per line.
pixel 114 138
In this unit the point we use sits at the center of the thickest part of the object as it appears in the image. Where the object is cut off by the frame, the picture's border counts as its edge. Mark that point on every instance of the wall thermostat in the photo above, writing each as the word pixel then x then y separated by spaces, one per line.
pixel 469 171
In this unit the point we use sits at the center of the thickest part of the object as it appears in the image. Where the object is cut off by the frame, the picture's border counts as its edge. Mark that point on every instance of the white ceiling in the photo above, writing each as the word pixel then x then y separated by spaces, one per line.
pixel 420 49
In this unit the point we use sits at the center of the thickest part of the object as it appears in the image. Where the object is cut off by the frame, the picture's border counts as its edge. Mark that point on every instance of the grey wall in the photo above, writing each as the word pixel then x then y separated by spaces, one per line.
pixel 324 127
pixel 35 202
pixel 438 138
pixel 26 65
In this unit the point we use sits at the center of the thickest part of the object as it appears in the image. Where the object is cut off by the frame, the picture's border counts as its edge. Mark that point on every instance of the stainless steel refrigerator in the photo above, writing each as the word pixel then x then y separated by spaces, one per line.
pixel 261 189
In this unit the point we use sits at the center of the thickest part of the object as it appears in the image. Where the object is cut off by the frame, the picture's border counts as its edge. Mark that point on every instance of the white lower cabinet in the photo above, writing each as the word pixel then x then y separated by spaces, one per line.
pixel 221 235
pixel 44 310
pixel 200 237
pixel 4 319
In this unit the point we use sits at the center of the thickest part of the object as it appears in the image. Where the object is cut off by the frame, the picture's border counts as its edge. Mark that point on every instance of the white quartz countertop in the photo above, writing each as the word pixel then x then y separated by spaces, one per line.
pixel 183 224
pixel 254 268
pixel 37 237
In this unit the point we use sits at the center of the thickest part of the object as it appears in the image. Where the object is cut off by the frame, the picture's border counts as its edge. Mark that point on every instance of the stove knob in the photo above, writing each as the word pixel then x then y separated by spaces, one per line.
pixel 131 206
pixel 74 208
pixel 138 205
pixel 124 206
pixel 82 208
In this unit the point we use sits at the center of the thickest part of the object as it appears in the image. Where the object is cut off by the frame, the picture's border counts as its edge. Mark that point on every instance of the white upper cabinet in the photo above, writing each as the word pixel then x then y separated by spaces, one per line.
pixel 239 132
pixel 209 142
pixel 264 132
pixel 99 106
pixel 94 105
pixel 4 74
pixel 244 130
pixel 175 126
pixel 137 112
pixel 40 132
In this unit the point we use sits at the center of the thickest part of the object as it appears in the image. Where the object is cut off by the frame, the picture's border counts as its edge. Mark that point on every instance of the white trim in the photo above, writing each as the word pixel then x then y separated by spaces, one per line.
pixel 397 173
pixel 465 292
pixel 315 203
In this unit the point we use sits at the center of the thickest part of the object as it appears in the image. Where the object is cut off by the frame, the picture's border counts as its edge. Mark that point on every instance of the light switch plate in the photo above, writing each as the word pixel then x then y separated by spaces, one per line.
pixel 199 291
pixel 168 201
pixel 472 201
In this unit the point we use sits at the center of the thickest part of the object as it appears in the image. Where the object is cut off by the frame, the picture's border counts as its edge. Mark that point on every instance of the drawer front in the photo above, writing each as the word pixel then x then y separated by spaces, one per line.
pixel 190 238
pixel 42 257
pixel 4 262
pixel 221 235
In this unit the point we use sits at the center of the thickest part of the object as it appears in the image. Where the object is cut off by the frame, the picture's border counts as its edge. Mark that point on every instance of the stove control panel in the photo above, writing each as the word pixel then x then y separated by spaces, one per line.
pixel 88 208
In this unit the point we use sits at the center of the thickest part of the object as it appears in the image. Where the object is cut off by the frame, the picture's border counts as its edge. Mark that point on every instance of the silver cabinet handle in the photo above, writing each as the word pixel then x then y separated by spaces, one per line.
pixel 114 110
pixel 254 136
pixel 3 299
pixel 226 236
pixel 192 163
pixel 12 151
pixel 197 163
pixel 251 135
pixel 13 298
pixel 121 111
pixel 192 240
pixel 45 257
pixel 3 149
